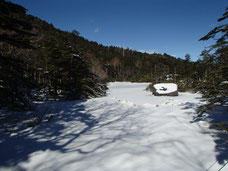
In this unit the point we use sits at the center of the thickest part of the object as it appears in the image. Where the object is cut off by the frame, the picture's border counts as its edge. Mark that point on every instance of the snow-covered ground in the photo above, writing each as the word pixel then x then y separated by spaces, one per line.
pixel 129 129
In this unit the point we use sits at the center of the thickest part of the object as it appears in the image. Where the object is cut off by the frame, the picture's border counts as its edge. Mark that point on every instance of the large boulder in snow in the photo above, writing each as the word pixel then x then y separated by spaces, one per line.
pixel 165 89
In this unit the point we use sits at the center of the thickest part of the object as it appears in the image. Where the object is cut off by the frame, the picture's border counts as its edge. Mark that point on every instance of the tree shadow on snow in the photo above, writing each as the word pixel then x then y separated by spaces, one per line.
pixel 217 117
pixel 19 147
pixel 46 136
pixel 220 137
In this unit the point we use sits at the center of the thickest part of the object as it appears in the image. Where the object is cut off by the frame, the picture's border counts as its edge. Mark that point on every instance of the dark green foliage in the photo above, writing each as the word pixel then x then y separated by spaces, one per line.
pixel 187 57
pixel 222 30
pixel 214 67
pixel 14 30
pixel 36 55
pixel 15 83
pixel 63 69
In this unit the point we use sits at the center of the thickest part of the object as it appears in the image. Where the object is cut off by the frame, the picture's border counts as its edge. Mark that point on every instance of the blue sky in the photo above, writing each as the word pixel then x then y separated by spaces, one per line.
pixel 163 26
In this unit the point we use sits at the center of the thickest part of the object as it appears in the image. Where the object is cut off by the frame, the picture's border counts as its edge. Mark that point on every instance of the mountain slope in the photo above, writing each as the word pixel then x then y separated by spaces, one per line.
pixel 67 66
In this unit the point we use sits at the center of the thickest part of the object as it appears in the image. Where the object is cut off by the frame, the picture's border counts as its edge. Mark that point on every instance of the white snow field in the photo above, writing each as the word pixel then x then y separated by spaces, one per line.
pixel 128 130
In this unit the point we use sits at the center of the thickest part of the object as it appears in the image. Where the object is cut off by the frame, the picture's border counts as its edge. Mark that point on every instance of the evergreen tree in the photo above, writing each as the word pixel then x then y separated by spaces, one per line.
pixel 188 57
pixel 15 83
pixel 214 85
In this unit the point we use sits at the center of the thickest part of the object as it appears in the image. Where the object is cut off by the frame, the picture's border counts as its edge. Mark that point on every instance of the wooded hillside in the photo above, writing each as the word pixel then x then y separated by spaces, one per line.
pixel 34 54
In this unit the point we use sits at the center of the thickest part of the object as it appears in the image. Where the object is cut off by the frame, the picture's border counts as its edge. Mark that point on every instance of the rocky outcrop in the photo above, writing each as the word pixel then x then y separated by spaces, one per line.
pixel 165 89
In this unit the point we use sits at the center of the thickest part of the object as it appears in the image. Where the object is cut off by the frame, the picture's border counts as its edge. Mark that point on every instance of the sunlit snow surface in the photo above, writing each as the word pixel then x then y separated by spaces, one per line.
pixel 128 130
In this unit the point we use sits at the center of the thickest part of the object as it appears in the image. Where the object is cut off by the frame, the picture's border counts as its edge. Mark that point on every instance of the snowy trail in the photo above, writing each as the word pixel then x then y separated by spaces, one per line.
pixel 128 130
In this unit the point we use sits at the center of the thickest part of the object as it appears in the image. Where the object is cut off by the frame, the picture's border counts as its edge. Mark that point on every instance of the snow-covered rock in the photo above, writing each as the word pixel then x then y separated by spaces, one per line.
pixel 165 89
pixel 222 83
